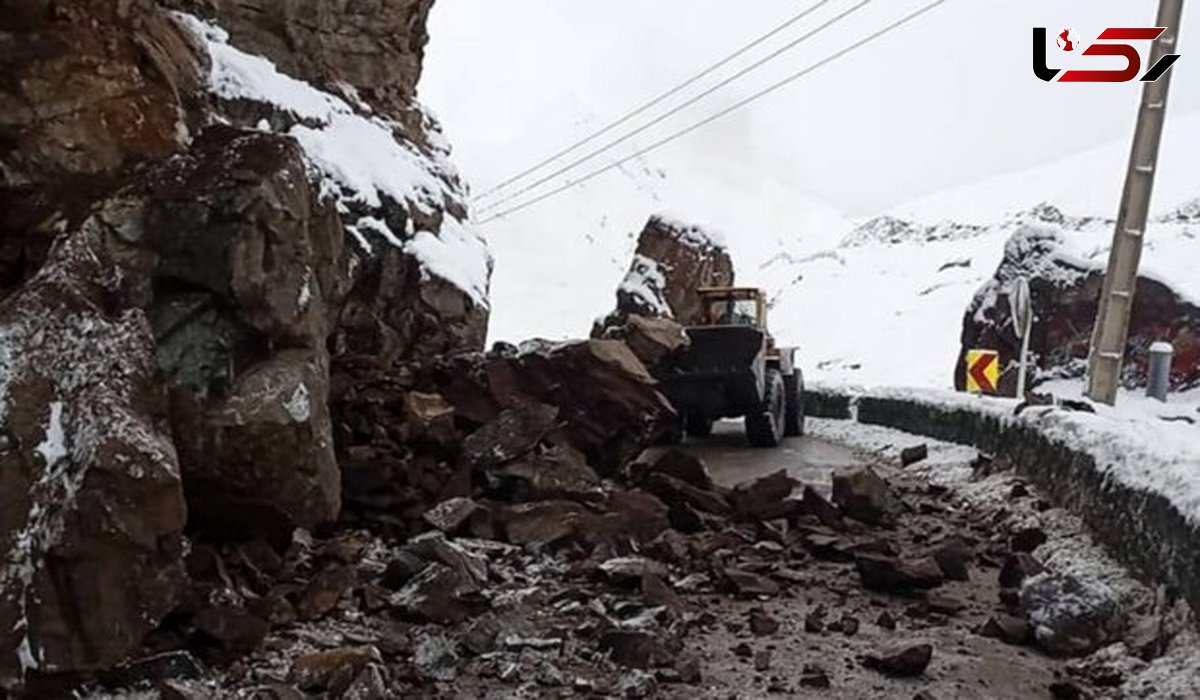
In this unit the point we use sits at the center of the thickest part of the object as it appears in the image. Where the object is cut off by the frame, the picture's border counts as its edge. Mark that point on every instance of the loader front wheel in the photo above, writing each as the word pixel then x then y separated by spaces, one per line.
pixel 765 427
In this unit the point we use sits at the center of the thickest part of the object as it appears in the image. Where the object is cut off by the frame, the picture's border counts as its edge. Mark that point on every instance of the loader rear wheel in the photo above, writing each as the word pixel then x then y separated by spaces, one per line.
pixel 698 425
pixel 793 387
pixel 764 428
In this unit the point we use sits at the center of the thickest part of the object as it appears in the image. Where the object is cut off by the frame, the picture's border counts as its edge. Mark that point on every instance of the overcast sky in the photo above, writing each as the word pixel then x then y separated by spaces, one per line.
pixel 947 100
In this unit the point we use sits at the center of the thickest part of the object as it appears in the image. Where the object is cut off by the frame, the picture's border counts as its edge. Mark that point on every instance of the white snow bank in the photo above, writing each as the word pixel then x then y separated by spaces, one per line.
pixel 361 160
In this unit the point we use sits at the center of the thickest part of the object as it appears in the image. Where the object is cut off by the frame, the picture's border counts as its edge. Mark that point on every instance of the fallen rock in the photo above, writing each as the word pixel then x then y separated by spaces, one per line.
pixel 688 668
pixel 1028 539
pixel 762 624
pixel 1071 617
pixel 401 569
pixel 637 684
pixel 332 671
pixel 152 670
pixel 813 676
pixel 1017 568
pixel 766 498
pixel 514 433
pixel 658 592
pixel 912 455
pixel 481 635
pixel 630 570
pixel 953 557
pixel 554 470
pixel 435 658
pixel 541 524
pixel 681 465
pixel 944 604
pixel 814 504
pixel 470 568
pixel 676 493
pixel 460 515
pixel 324 592
pixel 905 661
pixel 890 575
pixel 864 496
pixel 1008 629
pixel 632 514
pixel 436 594
pixel 232 628
pixel 747 583
pixel 762 660
pixel 654 340
pixel 639 649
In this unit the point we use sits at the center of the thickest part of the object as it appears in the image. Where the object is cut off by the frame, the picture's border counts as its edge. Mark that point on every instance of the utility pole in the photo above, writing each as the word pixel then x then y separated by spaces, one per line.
pixel 1116 299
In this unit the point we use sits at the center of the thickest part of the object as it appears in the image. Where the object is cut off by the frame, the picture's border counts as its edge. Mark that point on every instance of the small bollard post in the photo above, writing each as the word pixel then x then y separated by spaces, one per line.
pixel 1158 374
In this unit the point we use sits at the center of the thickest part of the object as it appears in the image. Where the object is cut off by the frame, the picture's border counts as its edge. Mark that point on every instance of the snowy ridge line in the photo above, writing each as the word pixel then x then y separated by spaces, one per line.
pixel 1134 479
pixel 359 161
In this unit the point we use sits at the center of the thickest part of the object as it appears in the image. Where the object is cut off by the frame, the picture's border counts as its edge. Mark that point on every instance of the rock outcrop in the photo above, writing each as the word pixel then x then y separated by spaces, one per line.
pixel 671 262
pixel 202 240
pixel 91 500
pixel 1065 291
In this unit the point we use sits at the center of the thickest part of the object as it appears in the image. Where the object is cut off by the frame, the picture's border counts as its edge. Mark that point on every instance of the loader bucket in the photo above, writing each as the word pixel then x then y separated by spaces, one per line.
pixel 722 349
pixel 721 373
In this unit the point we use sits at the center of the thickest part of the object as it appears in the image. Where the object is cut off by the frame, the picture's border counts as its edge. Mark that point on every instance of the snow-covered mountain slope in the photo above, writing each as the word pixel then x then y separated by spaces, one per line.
pixel 885 307
pixel 1085 184
pixel 877 303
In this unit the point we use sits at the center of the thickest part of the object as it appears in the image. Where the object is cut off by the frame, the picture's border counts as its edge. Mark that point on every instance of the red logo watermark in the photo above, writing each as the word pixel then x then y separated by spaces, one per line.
pixel 1111 42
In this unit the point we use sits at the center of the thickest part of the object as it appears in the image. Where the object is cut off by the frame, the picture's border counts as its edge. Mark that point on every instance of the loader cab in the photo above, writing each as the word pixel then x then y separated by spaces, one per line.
pixel 733 306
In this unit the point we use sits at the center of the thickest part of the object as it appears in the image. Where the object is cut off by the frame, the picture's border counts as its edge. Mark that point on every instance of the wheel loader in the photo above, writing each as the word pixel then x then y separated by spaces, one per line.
pixel 733 369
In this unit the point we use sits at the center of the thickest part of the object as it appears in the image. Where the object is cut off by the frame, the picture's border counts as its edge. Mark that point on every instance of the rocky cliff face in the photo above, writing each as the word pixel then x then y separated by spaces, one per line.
pixel 199 228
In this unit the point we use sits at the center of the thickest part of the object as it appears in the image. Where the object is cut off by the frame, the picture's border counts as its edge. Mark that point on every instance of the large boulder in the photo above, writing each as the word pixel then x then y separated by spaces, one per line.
pixel 247 283
pixel 1065 292
pixel 91 501
pixel 671 262
pixel 91 88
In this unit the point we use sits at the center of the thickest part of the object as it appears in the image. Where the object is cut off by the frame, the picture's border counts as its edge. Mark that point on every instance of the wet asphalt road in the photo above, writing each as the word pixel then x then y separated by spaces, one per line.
pixel 732 461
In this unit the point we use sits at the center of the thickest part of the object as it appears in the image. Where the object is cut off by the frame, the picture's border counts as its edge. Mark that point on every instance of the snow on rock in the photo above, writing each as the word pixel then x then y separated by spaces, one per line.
pixel 886 305
pixel 363 164
pixel 93 510
pixel 645 285
pixel 673 259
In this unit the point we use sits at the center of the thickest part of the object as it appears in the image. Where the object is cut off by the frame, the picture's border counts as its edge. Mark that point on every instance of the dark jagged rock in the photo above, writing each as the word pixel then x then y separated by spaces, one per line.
pixel 671 262
pixel 1018 567
pixel 864 496
pixel 902 661
pixel 766 498
pixel 1064 300
pixel 889 574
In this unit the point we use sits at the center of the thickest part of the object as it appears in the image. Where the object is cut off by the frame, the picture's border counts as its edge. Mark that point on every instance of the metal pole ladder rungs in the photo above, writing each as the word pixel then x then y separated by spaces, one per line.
pixel 1113 317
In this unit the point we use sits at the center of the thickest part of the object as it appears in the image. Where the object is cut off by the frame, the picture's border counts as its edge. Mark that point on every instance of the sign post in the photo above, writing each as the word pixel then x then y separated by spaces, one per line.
pixel 1020 301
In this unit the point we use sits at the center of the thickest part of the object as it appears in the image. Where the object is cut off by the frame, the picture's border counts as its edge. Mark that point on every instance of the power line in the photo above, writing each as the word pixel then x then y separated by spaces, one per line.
pixel 738 105
pixel 676 110
pixel 657 100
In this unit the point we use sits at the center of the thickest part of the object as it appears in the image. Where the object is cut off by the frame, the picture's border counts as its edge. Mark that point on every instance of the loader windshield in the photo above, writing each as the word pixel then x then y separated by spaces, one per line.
pixel 733 312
